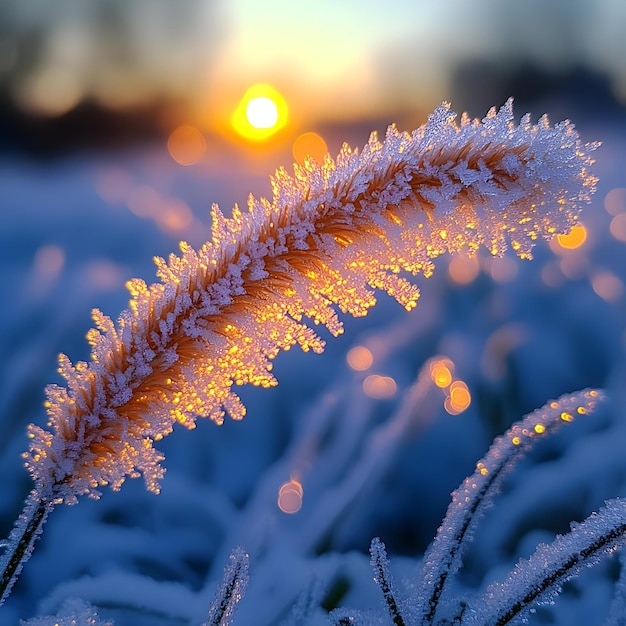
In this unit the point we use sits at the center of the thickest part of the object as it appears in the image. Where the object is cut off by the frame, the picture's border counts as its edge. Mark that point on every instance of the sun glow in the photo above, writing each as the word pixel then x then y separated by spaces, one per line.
pixel 261 113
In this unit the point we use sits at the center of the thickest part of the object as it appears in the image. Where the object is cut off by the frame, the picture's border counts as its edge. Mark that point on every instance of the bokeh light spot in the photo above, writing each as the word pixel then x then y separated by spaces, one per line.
pixel 551 275
pixel 144 201
pixel 49 261
pixel 360 358
pixel 459 398
pixel 186 145
pixel 574 266
pixel 618 227
pixel 309 145
pixel 574 239
pixel 113 185
pixel 379 387
pixel 104 274
pixel 175 216
pixel 290 497
pixel 615 201
pixel 441 372
pixel 51 91
pixel 463 269
pixel 607 285
pixel 503 269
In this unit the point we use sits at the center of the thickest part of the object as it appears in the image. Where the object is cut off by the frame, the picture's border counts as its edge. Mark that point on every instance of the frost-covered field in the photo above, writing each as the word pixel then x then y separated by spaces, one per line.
pixel 368 453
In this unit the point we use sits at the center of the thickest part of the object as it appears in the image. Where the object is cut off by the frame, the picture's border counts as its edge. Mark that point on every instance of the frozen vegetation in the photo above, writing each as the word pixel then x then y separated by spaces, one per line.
pixel 319 507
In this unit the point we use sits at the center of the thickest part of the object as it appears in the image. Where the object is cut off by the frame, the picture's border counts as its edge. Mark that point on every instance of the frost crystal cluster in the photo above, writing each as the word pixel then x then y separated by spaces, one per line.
pixel 443 558
pixel 440 598
pixel 331 235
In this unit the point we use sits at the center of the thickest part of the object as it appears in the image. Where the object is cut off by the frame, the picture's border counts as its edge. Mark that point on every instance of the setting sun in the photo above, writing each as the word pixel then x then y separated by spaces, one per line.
pixel 261 113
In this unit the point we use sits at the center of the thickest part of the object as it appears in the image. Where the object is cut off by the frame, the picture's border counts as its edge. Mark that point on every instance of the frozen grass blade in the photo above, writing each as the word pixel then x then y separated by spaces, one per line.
pixel 231 590
pixel 382 577
pixel 443 557
pixel 19 546
pixel 539 579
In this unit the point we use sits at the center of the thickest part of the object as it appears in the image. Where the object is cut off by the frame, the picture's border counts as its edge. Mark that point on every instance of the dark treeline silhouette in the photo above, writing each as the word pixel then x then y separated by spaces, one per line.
pixel 577 92
pixel 87 126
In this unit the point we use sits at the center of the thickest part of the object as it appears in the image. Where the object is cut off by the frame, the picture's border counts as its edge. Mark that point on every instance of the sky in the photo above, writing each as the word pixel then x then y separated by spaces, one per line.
pixel 331 60
pixel 344 59
pixel 326 46
pixel 360 57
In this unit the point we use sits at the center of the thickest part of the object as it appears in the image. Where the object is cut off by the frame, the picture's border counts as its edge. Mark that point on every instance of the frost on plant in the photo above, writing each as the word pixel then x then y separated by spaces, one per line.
pixel 536 580
pixel 539 579
pixel 443 558
pixel 329 236
pixel 231 590
pixel 19 546
pixel 382 577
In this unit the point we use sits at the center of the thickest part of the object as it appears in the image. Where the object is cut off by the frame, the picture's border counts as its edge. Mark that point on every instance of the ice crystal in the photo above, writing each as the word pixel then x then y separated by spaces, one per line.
pixel 330 236
pixel 533 581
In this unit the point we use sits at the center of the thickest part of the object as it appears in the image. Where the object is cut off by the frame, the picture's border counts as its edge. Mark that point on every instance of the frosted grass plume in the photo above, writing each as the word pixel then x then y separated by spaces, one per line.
pixel 330 235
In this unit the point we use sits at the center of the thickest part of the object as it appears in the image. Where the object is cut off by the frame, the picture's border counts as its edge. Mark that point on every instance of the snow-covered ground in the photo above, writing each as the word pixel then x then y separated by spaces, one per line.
pixel 371 455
